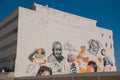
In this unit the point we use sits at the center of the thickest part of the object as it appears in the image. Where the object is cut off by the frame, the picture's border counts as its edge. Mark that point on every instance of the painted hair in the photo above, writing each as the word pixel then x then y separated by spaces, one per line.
pixel 56 43
pixel 42 69
pixel 102 52
pixel 82 46
pixel 93 64
pixel 31 55
pixel 43 51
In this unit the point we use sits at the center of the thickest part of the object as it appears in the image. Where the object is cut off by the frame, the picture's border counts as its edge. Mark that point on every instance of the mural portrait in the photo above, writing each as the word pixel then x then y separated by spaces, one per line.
pixel 31 70
pixel 91 66
pixel 107 63
pixel 38 57
pixel 56 61
pixel 82 59
pixel 94 46
pixel 100 63
pixel 44 71
pixel 72 61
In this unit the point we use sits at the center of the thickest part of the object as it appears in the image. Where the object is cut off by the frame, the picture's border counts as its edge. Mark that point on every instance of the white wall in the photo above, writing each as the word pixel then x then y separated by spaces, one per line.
pixel 39 29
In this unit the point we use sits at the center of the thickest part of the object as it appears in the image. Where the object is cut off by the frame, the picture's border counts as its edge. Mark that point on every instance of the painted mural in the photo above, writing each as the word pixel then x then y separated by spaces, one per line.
pixel 44 71
pixel 107 63
pixel 31 70
pixel 37 57
pixel 56 60
pixel 55 45
pixel 94 46
pixel 77 60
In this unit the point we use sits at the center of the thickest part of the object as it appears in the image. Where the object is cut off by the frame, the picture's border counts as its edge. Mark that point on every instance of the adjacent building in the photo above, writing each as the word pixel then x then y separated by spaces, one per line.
pixel 42 39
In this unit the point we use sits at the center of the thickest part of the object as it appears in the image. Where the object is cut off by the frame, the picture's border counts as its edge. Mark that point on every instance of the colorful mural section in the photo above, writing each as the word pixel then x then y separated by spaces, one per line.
pixel 93 59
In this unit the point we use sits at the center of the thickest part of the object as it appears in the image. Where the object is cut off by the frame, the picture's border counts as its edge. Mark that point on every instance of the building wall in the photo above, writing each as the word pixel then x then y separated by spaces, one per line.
pixel 8 41
pixel 63 17
pixel 45 27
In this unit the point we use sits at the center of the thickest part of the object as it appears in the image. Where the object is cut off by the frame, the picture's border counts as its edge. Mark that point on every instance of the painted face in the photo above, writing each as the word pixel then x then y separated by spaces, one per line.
pixel 39 51
pixel 90 68
pixel 82 49
pixel 58 50
pixel 73 57
pixel 31 70
pixel 45 73
pixel 94 47
pixel 107 68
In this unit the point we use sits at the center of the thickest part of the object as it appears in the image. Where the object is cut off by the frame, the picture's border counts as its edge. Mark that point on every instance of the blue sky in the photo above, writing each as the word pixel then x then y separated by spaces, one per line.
pixel 106 12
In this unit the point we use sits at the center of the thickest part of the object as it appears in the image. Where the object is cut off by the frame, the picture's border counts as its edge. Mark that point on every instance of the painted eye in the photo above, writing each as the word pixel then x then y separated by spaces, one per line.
pixel 58 49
